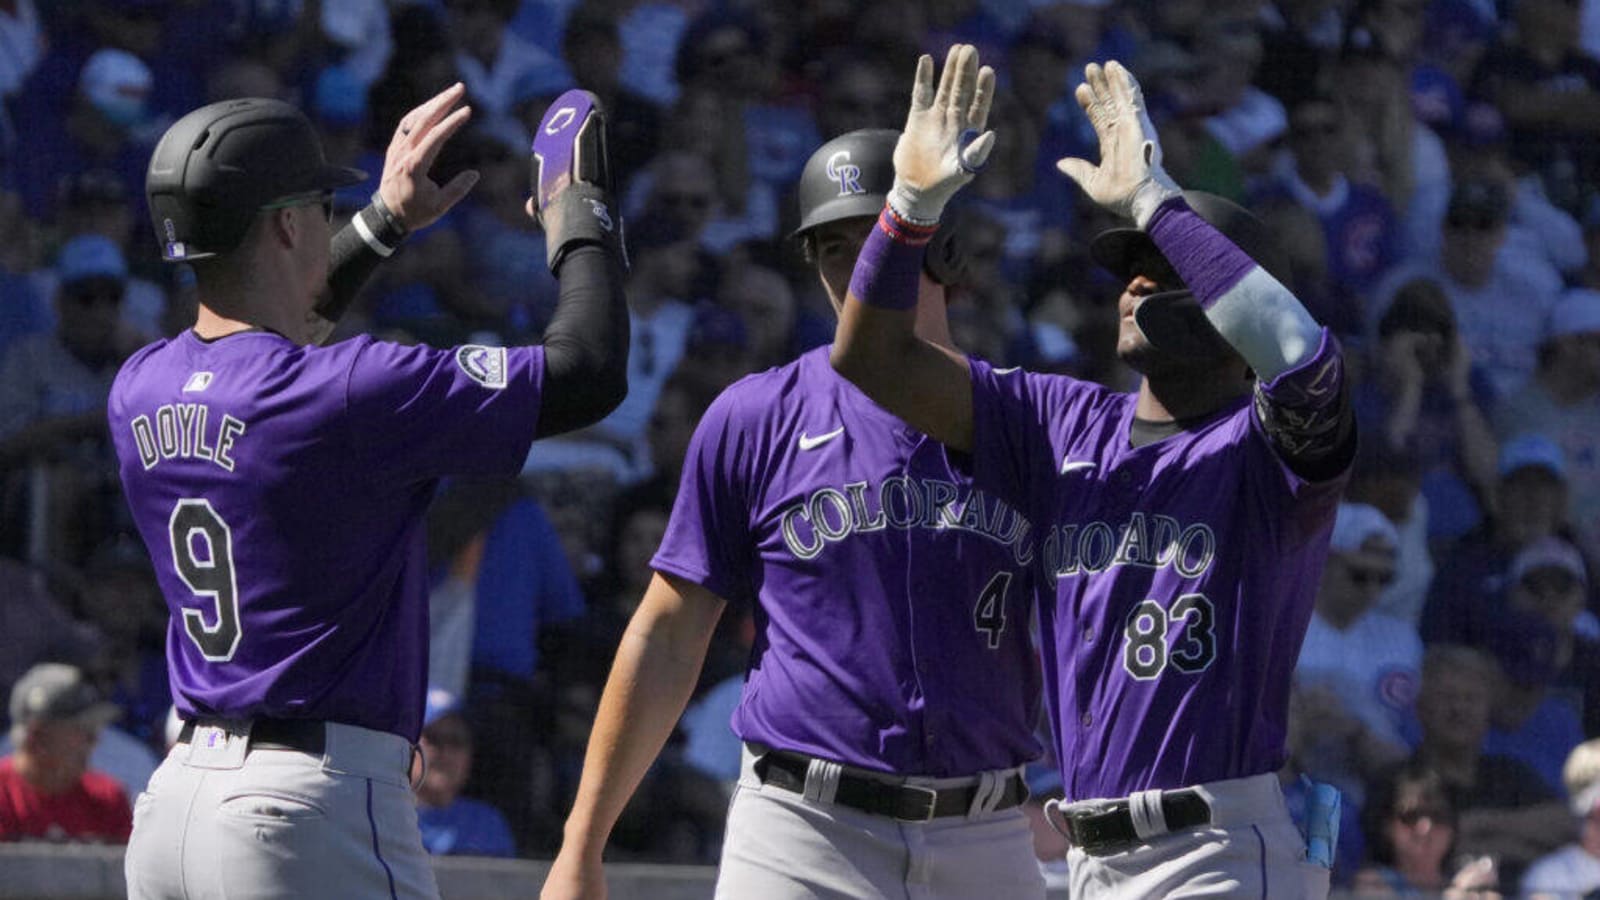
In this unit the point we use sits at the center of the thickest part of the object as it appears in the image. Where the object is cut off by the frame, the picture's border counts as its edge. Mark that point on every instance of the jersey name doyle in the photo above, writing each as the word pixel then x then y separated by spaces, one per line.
pixel 280 490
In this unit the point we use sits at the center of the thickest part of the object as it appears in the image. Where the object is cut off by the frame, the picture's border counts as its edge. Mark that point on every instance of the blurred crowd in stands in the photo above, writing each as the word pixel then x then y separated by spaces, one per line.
pixel 1431 167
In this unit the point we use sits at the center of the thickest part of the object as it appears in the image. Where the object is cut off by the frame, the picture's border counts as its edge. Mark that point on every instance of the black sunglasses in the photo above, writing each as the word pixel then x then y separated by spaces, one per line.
pixel 1380 578
pixel 325 198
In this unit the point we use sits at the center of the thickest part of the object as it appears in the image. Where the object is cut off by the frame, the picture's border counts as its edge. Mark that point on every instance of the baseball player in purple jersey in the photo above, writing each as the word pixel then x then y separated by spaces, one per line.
pixel 1183 526
pixel 280 486
pixel 893 689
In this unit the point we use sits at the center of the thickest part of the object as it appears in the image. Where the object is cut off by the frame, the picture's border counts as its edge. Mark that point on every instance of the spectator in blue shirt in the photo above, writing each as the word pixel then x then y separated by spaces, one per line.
pixel 452 824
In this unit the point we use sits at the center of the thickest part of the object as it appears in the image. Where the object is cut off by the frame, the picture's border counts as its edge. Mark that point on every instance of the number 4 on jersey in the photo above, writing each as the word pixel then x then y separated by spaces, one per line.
pixel 202 554
pixel 989 616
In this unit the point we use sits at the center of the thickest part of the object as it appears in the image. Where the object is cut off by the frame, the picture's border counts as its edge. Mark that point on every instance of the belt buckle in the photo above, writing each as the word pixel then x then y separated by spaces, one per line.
pixel 932 798
pixel 1083 818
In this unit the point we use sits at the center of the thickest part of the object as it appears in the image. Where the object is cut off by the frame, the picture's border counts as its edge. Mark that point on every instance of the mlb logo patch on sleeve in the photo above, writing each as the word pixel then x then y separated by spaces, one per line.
pixel 485 365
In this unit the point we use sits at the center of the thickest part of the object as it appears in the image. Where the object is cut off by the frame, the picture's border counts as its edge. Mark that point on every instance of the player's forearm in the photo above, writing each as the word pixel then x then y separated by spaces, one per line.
pixel 1252 310
pixel 877 348
pixel 370 237
pixel 1306 413
pixel 586 342
pixel 657 666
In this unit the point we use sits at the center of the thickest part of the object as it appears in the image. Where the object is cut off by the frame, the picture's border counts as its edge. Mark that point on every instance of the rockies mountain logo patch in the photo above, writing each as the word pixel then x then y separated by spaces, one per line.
pixel 485 365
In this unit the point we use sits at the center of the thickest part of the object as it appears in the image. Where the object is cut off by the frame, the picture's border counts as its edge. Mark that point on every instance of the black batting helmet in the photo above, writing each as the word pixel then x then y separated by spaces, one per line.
pixel 218 165
pixel 1120 249
pixel 850 176
pixel 847 177
pixel 1173 320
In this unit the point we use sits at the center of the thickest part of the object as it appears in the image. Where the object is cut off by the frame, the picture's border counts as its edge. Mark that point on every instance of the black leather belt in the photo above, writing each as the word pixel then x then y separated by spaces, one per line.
pixel 906 802
pixel 304 735
pixel 1108 828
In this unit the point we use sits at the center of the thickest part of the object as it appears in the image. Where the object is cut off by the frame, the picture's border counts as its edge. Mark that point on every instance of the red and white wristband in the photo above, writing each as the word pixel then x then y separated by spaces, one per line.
pixel 889 270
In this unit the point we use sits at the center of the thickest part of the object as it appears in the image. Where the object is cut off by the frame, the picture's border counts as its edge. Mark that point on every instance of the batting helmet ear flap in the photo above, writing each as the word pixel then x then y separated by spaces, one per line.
pixel 946 260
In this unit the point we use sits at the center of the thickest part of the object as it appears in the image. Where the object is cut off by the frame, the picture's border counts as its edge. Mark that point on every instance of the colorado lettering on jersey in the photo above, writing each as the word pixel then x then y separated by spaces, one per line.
pixel 1152 542
pixel 180 431
pixel 830 515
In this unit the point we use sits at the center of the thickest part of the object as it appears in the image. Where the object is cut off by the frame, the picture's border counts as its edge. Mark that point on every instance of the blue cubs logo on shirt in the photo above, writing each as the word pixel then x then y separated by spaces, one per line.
pixel 1398 687
pixel 847 173
pixel 485 365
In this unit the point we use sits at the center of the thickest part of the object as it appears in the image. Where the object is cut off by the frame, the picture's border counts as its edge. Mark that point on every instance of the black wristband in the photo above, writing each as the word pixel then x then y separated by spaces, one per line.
pixel 379 227
pixel 577 216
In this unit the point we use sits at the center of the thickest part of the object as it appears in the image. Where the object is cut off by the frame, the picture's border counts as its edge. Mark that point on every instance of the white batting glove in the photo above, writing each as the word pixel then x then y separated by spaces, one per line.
pixel 944 142
pixel 1129 179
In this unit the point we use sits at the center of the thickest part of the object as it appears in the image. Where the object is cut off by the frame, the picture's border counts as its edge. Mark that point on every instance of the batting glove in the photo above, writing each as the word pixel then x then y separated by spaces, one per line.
pixel 572 178
pixel 944 142
pixel 1129 179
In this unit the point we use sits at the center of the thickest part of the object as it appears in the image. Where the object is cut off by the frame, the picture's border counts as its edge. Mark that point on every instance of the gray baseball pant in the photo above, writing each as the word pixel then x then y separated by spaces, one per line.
pixel 1252 848
pixel 784 846
pixel 223 820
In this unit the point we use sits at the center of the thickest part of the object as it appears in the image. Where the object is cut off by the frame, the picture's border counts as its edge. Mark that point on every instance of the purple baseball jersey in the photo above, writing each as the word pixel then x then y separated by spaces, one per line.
pixel 281 489
pixel 1184 573
pixel 892 600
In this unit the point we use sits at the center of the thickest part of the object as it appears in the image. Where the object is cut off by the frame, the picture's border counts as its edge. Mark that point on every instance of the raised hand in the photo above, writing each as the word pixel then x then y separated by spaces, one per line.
pixel 1129 180
pixel 407 190
pixel 574 879
pixel 944 142
pixel 571 179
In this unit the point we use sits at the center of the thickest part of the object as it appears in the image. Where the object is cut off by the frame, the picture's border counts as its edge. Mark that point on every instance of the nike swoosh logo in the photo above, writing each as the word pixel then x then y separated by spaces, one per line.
pixel 1067 465
pixel 1007 371
pixel 807 442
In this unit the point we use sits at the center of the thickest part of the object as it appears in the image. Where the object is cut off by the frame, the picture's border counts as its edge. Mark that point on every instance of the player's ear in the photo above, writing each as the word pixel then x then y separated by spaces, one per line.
pixel 282 228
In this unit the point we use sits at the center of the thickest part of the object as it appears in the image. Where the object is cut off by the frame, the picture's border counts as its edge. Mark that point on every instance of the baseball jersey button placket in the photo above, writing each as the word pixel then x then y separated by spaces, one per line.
pixel 1087 720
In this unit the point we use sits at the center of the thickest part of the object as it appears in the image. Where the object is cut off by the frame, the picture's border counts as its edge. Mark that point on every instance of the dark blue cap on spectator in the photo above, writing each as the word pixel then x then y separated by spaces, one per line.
pixel 1550 552
pixel 116 83
pixel 90 256
pixel 1532 450
pixel 1436 98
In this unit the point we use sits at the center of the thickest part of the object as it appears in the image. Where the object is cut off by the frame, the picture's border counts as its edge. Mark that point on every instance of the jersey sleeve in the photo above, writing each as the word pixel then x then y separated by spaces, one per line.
pixel 707 539
pixel 1018 418
pixel 1307 415
pixel 421 412
pixel 1302 441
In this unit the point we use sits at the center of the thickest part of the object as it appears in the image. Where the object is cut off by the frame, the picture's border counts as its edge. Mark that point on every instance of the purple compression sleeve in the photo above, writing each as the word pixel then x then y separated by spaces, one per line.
pixel 1202 256
pixel 889 269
